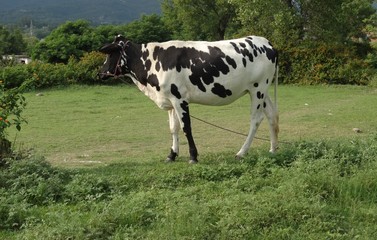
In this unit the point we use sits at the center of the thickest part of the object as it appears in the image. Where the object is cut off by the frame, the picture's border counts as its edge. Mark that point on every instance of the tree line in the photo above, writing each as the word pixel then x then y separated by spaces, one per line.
pixel 330 37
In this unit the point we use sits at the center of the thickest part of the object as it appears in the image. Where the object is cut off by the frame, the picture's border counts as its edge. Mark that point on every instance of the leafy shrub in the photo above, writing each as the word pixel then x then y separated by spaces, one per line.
pixel 326 64
pixel 14 76
pixel 44 75
pixel 12 103
pixel 86 69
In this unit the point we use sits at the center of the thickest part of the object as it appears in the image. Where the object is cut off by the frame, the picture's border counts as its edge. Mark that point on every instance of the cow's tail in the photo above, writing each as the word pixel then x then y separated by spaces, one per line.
pixel 276 87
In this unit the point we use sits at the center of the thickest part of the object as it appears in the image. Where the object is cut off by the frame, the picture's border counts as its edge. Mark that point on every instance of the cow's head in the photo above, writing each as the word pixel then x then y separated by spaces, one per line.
pixel 116 60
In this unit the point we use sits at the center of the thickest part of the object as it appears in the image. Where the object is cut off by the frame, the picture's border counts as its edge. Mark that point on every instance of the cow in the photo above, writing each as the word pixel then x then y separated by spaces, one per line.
pixel 174 74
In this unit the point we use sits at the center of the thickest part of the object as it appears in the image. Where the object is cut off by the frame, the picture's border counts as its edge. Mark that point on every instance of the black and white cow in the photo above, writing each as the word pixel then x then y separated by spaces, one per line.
pixel 176 73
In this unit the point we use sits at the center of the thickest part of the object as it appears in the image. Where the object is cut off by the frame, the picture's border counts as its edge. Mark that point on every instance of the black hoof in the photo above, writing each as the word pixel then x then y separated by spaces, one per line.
pixel 172 156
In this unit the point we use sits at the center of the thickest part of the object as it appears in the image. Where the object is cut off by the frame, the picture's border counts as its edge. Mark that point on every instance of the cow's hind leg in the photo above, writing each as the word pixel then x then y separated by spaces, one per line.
pixel 273 120
pixel 257 105
pixel 174 129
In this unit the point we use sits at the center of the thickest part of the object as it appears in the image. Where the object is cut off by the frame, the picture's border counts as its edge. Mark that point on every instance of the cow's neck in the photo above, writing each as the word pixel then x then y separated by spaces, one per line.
pixel 135 64
pixel 138 68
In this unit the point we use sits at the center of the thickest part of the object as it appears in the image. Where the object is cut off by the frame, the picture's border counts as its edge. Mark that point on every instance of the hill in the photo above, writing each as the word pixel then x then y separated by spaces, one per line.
pixel 55 12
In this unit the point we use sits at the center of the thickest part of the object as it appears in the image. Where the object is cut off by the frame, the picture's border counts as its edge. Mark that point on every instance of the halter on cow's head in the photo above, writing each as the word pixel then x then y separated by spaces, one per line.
pixel 116 60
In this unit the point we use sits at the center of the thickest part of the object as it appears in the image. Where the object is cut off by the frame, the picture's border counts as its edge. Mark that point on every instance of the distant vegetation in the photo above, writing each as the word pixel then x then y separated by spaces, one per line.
pixel 319 43
pixel 46 13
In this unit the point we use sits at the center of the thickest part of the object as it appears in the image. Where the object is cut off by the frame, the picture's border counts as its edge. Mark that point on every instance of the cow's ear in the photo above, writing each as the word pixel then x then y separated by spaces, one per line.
pixel 109 48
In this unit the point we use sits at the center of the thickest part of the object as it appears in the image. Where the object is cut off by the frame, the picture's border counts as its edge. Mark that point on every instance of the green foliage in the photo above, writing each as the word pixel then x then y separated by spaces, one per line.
pixel 275 20
pixel 12 103
pixel 199 19
pixel 287 23
pixel 149 28
pixel 87 187
pixel 69 39
pixel 309 189
pixel 326 64
pixel 85 70
pixel 335 21
pixel 43 75
pixel 11 41
pixel 74 39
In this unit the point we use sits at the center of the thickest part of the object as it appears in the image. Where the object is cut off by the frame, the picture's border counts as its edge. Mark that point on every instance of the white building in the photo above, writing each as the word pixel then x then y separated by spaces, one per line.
pixel 22 59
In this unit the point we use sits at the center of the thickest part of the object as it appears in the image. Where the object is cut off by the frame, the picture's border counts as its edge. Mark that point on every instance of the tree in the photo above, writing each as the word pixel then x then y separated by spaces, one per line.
pixel 199 19
pixel 289 21
pixel 149 28
pixel 274 19
pixel 336 20
pixel 69 39
pixel 11 41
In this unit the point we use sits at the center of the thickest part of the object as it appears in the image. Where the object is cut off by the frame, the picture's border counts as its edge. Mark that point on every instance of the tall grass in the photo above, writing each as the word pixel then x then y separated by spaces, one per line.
pixel 312 190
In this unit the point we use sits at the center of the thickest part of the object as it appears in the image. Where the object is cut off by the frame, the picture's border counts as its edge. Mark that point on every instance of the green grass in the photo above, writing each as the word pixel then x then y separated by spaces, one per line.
pixel 320 186
pixel 104 124
pixel 313 190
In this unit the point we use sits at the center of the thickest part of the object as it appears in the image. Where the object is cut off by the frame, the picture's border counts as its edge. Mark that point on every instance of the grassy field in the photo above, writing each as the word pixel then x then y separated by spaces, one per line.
pixel 111 124
pixel 104 177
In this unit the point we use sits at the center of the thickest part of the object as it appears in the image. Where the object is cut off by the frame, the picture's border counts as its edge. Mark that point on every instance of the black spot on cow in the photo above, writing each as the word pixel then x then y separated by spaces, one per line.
pixel 256 85
pixel 231 62
pixel 271 54
pixel 267 81
pixel 158 66
pixel 153 81
pixel 173 57
pixel 258 106
pixel 174 90
pixel 205 66
pixel 260 95
pixel 196 81
pixel 216 58
pixel 248 41
pixel 221 91
pixel 248 50
pixel 244 62
pixel 235 47
pixel 148 65
pixel 264 104
pixel 186 116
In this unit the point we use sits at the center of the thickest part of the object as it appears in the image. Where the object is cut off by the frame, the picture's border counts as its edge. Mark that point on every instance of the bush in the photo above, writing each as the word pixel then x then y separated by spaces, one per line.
pixel 326 64
pixel 44 75
pixel 86 69
pixel 12 103
pixel 14 76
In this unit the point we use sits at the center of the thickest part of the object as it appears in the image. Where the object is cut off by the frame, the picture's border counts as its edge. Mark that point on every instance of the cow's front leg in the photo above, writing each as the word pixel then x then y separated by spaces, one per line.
pixel 184 117
pixel 174 129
